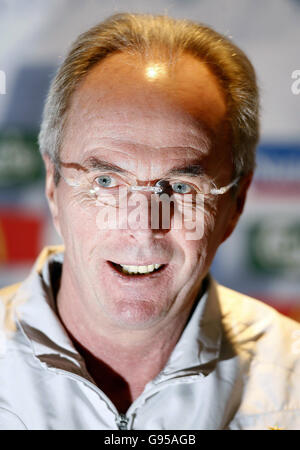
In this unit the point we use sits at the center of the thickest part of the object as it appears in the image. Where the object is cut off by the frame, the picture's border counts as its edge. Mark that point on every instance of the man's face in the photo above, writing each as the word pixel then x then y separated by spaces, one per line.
pixel 147 122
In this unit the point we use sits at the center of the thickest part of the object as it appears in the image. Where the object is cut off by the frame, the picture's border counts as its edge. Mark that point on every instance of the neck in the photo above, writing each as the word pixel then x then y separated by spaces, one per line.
pixel 121 362
pixel 122 372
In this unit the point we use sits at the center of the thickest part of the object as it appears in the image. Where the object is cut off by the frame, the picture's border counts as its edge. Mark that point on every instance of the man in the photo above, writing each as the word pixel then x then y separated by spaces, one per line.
pixel 123 327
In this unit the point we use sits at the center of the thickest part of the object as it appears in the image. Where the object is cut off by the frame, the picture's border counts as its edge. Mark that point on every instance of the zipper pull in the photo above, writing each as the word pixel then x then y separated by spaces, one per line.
pixel 122 422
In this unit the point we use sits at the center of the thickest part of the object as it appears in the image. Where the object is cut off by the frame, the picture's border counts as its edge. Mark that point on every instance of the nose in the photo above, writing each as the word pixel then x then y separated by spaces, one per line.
pixel 147 213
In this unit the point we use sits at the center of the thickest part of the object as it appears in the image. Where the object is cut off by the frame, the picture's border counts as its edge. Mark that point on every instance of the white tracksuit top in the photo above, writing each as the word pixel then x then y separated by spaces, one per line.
pixel 235 366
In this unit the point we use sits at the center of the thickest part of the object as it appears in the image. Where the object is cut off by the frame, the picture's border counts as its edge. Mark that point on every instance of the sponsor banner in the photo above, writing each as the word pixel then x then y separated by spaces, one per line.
pixel 20 160
pixel 21 234
pixel 278 170
pixel 273 245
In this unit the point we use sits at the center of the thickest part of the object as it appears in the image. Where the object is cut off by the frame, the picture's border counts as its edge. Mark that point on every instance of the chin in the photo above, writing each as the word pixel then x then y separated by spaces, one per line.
pixel 139 314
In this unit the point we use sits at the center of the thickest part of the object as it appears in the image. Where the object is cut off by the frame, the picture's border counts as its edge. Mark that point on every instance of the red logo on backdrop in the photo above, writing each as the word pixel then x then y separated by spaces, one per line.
pixel 20 236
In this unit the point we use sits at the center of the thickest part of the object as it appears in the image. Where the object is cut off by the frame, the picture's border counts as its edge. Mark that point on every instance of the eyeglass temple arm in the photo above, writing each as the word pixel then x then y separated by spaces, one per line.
pixel 67 180
pixel 224 189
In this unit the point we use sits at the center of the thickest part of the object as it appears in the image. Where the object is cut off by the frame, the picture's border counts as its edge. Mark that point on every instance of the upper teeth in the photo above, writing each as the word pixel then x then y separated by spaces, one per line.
pixel 140 269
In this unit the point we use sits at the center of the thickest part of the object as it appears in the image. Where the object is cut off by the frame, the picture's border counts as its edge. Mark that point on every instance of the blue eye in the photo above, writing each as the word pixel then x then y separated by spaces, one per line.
pixel 104 181
pixel 181 188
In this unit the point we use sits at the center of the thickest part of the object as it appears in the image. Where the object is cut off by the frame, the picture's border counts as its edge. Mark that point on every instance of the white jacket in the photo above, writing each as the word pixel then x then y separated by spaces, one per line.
pixel 236 366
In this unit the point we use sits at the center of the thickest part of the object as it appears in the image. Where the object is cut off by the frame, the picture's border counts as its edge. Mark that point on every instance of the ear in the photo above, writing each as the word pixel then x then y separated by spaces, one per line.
pixel 239 203
pixel 51 191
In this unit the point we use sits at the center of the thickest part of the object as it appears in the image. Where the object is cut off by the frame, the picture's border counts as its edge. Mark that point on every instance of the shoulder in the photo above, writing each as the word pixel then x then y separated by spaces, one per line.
pixel 9 295
pixel 249 322
pixel 268 346
pixel 252 326
pixel 7 304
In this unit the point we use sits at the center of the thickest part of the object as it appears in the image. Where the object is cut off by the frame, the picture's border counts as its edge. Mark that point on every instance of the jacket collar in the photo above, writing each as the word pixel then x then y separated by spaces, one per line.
pixel 198 348
pixel 196 351
pixel 37 318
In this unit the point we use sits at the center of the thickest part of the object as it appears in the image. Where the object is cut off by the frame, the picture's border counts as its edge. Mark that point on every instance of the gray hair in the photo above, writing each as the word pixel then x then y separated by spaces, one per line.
pixel 140 34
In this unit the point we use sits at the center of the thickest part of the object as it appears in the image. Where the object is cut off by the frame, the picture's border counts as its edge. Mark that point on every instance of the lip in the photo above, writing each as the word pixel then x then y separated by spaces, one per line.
pixel 138 263
pixel 137 277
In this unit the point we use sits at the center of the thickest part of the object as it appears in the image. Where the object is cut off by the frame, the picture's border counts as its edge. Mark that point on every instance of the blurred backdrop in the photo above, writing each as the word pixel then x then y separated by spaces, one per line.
pixel 262 258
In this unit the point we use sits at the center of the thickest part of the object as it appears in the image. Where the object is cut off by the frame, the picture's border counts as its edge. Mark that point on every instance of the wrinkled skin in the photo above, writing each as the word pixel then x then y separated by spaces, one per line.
pixel 146 126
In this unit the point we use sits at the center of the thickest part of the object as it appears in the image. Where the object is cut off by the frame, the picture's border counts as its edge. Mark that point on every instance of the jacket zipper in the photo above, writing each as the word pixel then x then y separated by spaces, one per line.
pixel 122 421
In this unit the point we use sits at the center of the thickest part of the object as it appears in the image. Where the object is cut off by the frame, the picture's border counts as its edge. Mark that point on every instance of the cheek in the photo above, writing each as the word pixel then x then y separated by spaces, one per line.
pixel 218 224
pixel 198 232
pixel 78 225
pixel 200 248
pixel 193 256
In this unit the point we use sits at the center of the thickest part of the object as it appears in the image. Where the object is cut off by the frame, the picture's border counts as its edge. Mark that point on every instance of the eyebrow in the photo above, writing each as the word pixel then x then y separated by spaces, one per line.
pixel 192 170
pixel 95 163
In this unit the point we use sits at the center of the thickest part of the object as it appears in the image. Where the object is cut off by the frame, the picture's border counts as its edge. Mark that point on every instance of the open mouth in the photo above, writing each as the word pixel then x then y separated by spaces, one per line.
pixel 137 271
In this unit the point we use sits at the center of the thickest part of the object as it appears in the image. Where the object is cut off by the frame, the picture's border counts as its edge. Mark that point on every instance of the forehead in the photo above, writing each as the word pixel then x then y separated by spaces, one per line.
pixel 177 114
